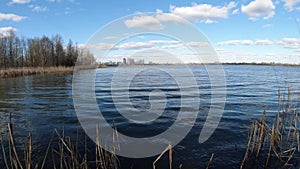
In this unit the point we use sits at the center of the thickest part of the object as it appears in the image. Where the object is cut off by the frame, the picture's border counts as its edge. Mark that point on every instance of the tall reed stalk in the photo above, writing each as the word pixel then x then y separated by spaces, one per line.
pixel 275 145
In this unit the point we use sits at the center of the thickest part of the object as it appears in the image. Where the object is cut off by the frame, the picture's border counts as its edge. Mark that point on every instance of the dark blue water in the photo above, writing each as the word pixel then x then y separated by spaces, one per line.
pixel 41 103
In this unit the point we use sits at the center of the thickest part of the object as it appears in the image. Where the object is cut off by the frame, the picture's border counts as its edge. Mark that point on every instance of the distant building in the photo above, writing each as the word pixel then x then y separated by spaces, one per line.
pixel 130 61
pixel 140 62
pixel 124 61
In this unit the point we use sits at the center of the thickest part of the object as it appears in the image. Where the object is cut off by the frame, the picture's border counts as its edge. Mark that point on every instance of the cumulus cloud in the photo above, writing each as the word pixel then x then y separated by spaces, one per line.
pixel 146 45
pixel 135 45
pixel 259 8
pixel 289 43
pixel 198 44
pixel 205 13
pixel 236 42
pixel 101 46
pixel 290 4
pixel 54 0
pixel 164 42
pixel 19 1
pixel 11 17
pixel 152 22
pixel 36 8
pixel 110 38
pixel 143 21
pixel 5 31
pixel 247 42
pixel 264 42
pixel 236 11
pixel 176 46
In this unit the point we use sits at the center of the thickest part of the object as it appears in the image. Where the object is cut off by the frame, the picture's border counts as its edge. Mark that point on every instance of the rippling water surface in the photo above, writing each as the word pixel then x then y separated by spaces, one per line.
pixel 41 103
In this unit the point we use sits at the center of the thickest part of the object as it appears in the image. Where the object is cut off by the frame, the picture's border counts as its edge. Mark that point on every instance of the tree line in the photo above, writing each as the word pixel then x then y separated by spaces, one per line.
pixel 17 52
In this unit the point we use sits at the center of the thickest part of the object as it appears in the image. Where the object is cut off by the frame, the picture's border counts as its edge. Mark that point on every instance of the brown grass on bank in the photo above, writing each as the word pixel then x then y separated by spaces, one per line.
pixel 276 145
pixel 16 72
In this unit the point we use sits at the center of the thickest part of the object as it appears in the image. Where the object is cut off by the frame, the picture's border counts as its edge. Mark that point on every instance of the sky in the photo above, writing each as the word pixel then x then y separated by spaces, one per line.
pixel 239 31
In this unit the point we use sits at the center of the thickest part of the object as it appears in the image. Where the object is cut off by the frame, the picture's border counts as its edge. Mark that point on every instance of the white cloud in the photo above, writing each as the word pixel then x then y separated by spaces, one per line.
pixel 101 46
pixel 143 21
pixel 290 4
pixel 5 31
pixel 236 11
pixel 264 42
pixel 176 46
pixel 19 1
pixel 198 44
pixel 247 42
pixel 135 45
pixel 236 42
pixel 152 22
pixel 147 44
pixel 164 42
pixel 205 13
pixel 289 43
pixel 58 1
pixel 259 8
pixel 168 17
pixel 54 0
pixel 208 21
pixel 110 38
pixel 11 17
pixel 36 8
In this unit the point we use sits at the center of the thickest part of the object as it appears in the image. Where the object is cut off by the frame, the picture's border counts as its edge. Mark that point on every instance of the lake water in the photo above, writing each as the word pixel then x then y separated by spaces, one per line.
pixel 41 103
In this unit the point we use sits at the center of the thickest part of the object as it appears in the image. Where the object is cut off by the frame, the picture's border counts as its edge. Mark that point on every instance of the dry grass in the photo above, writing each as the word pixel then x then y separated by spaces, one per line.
pixel 275 145
pixel 16 72
pixel 64 154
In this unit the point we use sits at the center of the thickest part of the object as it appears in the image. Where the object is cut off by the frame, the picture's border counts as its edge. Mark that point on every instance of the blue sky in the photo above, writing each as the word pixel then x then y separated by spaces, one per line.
pixel 240 31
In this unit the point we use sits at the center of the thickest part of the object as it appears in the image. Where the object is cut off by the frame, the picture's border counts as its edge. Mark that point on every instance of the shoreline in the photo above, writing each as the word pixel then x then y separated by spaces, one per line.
pixel 28 71
pixel 200 64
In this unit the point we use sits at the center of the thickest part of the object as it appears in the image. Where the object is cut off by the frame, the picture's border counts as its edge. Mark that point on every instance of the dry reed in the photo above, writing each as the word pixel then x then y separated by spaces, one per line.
pixel 275 145
pixel 16 72
pixel 65 153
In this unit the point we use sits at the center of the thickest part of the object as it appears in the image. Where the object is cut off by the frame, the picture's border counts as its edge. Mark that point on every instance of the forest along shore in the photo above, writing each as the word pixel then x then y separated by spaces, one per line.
pixel 21 56
pixel 16 72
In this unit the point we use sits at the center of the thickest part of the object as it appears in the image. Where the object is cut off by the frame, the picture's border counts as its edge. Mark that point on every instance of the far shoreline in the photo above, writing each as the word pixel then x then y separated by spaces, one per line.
pixel 28 71
pixel 191 64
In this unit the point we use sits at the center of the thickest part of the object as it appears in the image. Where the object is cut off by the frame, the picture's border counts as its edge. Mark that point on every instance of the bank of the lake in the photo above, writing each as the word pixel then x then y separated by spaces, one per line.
pixel 16 72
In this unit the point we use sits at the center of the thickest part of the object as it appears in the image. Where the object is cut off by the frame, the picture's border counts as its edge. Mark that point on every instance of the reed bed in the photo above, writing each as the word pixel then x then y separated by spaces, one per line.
pixel 61 153
pixel 275 145
pixel 16 72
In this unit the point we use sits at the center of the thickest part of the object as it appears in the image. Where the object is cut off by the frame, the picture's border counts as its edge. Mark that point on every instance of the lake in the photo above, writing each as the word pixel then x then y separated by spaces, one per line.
pixel 42 103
